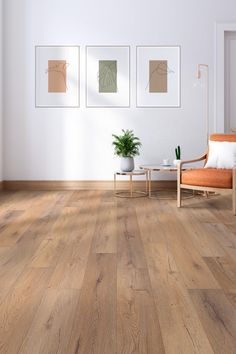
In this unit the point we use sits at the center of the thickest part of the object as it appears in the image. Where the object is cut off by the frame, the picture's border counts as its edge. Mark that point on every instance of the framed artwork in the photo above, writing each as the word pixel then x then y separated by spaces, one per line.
pixel 107 76
pixel 158 76
pixel 57 76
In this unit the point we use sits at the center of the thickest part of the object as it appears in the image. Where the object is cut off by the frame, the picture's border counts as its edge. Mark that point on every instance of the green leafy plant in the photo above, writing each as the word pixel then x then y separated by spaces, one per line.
pixel 126 145
pixel 178 153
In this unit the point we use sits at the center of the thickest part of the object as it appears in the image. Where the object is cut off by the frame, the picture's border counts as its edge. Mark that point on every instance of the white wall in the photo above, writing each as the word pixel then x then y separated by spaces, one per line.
pixel 1 86
pixel 76 143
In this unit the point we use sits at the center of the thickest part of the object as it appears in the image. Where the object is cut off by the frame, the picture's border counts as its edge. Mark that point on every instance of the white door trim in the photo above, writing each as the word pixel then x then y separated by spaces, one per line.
pixel 219 111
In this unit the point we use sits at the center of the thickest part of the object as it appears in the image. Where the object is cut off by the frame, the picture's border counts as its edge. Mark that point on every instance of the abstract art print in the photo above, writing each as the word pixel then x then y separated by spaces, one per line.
pixel 57 76
pixel 107 76
pixel 158 76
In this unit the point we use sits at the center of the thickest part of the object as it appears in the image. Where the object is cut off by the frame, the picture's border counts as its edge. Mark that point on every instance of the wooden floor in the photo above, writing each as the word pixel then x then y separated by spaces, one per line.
pixel 83 272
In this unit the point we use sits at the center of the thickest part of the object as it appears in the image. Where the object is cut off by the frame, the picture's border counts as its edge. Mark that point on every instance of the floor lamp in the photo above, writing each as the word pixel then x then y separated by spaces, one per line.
pixel 200 69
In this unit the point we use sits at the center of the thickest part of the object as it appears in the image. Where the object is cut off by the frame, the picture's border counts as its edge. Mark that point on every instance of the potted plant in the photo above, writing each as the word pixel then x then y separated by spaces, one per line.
pixel 177 155
pixel 126 147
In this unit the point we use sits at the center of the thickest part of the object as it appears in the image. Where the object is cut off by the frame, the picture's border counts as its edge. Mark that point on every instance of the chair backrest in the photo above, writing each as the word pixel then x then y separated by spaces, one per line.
pixel 223 137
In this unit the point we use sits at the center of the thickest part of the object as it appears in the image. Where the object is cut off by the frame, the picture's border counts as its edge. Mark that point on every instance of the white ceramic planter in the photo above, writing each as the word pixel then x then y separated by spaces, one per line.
pixel 127 164
pixel 176 162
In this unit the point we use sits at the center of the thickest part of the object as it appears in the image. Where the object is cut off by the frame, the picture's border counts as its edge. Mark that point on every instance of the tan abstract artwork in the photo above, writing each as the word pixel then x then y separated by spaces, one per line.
pixel 158 75
pixel 57 75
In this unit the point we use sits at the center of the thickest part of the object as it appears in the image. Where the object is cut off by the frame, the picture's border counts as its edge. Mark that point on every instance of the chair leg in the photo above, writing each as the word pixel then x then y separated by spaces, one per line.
pixel 234 192
pixel 179 196
pixel 179 186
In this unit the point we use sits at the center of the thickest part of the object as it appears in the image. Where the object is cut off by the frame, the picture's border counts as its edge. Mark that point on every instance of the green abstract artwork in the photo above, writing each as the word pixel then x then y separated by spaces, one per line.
pixel 107 76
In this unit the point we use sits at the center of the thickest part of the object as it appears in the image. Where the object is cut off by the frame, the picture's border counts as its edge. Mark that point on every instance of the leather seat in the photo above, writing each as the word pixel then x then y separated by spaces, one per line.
pixel 208 177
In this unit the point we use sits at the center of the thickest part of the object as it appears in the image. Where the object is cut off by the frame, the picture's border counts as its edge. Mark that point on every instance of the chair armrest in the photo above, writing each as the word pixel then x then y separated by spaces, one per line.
pixel 179 166
pixel 192 161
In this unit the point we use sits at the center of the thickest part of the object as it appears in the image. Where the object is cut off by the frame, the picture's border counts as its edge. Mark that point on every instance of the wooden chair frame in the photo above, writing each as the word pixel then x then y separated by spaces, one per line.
pixel 200 188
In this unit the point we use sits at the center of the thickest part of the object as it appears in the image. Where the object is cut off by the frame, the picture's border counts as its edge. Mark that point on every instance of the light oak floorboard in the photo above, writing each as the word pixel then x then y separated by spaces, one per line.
pixel 94 329
pixel 224 236
pixel 78 232
pixel 232 298
pixel 138 328
pixel 194 271
pixel 105 237
pixel 180 326
pixel 82 272
pixel 218 318
pixel 51 329
pixel 18 308
pixel 201 236
pixel 224 271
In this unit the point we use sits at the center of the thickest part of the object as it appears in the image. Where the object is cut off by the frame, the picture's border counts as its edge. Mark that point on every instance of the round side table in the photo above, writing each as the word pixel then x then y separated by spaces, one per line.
pixel 131 193
pixel 161 168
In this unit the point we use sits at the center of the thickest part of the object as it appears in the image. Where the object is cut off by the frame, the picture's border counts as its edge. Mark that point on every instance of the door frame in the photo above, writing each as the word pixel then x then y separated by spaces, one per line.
pixel 219 109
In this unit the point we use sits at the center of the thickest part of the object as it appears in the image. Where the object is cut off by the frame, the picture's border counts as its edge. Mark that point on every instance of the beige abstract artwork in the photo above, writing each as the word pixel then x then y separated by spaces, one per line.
pixel 57 75
pixel 158 74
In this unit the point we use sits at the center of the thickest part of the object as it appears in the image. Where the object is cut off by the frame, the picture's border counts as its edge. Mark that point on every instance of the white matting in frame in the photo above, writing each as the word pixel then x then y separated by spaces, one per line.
pixel 57 76
pixel 158 76
pixel 113 89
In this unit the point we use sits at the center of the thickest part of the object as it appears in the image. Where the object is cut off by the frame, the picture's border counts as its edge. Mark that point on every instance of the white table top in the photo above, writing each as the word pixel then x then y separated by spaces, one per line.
pixel 160 167
pixel 134 172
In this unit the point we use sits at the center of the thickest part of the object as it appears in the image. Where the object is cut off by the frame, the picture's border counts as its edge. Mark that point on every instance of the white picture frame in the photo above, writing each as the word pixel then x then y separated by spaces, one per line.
pixel 171 92
pixel 120 97
pixel 67 71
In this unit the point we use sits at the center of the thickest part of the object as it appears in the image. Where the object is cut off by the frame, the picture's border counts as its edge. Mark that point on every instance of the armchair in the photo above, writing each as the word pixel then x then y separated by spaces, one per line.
pixel 207 179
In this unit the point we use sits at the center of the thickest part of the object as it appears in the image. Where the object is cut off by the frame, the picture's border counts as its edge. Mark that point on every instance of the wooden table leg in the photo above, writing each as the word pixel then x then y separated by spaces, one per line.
pixel 149 183
pixel 131 185
pixel 114 183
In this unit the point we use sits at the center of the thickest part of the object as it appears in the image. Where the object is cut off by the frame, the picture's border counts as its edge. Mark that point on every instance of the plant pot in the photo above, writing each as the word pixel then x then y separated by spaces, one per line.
pixel 176 162
pixel 127 164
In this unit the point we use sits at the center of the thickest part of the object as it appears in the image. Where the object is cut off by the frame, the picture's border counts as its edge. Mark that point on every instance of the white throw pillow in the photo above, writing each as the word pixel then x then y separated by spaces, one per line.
pixel 212 154
pixel 222 154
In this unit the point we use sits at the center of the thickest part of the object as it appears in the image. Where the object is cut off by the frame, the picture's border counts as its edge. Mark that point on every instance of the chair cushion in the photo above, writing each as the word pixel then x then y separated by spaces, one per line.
pixel 208 177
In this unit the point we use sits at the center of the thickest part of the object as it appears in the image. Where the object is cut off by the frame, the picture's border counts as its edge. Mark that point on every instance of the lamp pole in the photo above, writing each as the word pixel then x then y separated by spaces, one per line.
pixel 200 68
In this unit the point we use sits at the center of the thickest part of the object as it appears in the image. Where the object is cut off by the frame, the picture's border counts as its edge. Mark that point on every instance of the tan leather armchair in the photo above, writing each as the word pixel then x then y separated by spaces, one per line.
pixel 207 179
